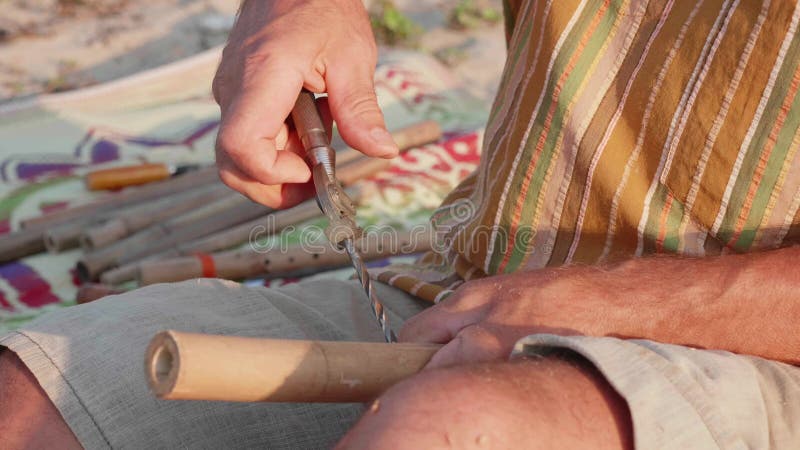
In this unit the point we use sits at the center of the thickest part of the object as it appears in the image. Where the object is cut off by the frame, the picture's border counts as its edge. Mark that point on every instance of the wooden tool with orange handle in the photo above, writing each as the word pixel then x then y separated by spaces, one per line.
pixel 120 177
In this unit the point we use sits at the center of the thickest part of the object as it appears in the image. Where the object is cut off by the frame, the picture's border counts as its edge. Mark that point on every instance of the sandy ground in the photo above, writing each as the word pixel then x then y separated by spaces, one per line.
pixel 58 45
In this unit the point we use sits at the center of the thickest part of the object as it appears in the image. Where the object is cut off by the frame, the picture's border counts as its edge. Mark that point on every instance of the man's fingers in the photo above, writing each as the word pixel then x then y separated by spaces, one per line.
pixel 472 345
pixel 355 109
pixel 274 196
pixel 440 323
pixel 253 120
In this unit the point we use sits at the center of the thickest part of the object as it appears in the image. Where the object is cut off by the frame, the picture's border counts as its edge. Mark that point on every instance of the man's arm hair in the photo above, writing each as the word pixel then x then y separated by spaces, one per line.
pixel 744 303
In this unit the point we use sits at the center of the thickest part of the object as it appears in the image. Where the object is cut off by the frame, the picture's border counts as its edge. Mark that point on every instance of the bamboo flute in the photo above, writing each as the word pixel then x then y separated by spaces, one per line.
pixel 121 274
pixel 224 239
pixel 68 235
pixel 272 223
pixel 19 244
pixel 141 216
pixel 127 197
pixel 417 134
pixel 414 135
pixel 228 211
pixel 189 366
pixel 126 268
pixel 31 240
pixel 231 216
pixel 240 264
pixel 89 292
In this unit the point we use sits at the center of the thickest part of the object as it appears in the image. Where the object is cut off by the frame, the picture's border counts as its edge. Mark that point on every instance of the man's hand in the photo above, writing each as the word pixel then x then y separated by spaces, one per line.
pixel 483 319
pixel 744 303
pixel 274 50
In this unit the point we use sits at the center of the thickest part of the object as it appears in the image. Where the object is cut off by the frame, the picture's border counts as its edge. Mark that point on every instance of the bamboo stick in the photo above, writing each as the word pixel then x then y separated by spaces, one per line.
pixel 19 244
pixel 189 366
pixel 361 168
pixel 89 292
pixel 272 223
pixel 31 240
pixel 68 235
pixel 417 134
pixel 240 264
pixel 126 197
pixel 93 265
pixel 414 135
pixel 141 216
pixel 121 274
pixel 231 209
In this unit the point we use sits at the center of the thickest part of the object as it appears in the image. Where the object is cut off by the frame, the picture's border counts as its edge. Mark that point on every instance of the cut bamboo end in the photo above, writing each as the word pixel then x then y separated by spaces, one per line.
pixel 189 366
pixel 162 363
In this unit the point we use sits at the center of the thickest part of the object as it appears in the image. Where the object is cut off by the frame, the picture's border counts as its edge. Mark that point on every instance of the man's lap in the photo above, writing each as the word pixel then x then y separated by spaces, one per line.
pixel 89 361
pixel 682 398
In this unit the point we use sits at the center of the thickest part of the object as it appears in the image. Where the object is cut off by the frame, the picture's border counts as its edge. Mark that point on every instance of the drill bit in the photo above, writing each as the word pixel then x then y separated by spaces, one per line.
pixel 366 282
pixel 342 230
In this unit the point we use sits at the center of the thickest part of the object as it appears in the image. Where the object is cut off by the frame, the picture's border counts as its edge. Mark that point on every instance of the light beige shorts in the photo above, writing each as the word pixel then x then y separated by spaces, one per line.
pixel 89 360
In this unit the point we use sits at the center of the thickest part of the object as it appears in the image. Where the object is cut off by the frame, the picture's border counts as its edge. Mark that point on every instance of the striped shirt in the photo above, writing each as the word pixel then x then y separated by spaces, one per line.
pixel 624 128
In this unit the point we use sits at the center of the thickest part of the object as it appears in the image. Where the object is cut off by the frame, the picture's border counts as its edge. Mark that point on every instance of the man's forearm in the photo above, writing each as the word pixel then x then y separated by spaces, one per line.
pixel 742 303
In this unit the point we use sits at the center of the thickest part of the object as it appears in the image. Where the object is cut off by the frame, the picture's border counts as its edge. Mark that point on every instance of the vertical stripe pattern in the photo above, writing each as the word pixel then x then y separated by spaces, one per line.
pixel 624 128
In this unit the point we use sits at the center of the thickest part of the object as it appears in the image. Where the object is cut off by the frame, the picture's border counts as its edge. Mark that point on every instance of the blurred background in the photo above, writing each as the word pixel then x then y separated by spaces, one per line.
pixel 94 89
pixel 59 45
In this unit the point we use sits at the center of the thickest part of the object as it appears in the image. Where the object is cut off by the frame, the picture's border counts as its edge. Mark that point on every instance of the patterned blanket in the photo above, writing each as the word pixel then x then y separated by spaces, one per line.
pixel 167 115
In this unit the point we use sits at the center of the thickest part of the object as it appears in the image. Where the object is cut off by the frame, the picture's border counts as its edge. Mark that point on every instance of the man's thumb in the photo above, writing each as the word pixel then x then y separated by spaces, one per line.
pixel 358 117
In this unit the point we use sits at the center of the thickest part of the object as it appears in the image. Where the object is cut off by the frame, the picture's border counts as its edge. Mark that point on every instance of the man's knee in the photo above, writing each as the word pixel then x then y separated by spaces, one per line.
pixel 28 419
pixel 547 403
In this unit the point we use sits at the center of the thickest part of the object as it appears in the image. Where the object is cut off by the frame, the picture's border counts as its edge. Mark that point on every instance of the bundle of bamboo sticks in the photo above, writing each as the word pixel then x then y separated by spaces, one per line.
pixel 185 227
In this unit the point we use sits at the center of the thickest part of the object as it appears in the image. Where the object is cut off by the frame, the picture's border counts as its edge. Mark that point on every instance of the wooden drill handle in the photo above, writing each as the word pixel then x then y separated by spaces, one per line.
pixel 120 177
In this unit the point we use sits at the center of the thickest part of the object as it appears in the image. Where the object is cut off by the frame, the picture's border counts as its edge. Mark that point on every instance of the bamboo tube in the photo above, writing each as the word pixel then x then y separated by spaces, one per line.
pixel 126 197
pixel 65 236
pixel 361 168
pixel 90 292
pixel 120 177
pixel 272 223
pixel 189 366
pixel 239 264
pixel 417 134
pixel 230 210
pixel 121 274
pixel 414 135
pixel 19 244
pixel 139 217
pixel 93 265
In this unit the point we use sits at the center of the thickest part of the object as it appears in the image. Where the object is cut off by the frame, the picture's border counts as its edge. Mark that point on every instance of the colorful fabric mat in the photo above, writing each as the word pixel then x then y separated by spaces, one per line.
pixel 168 115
